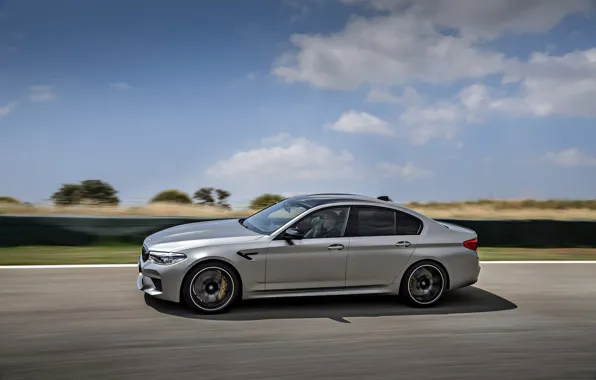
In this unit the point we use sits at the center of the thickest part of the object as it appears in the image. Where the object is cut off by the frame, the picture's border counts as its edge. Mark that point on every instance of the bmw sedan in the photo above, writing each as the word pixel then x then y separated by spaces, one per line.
pixel 309 245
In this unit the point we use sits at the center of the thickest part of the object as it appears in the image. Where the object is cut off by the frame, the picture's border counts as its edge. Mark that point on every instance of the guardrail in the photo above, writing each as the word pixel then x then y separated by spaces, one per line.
pixel 19 230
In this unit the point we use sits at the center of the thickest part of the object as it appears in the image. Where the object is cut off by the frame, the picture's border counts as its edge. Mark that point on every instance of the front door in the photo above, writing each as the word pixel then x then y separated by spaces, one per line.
pixel 318 261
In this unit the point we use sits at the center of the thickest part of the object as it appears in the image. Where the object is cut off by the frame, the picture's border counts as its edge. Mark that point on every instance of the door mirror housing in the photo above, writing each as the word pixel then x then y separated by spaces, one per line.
pixel 293 233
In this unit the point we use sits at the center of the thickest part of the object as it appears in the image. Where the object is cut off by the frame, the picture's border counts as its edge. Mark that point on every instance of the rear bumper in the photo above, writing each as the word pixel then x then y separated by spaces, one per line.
pixel 158 281
pixel 465 271
pixel 473 279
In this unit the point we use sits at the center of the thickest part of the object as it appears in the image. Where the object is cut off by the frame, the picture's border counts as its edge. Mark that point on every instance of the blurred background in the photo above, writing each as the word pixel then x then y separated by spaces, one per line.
pixel 423 101
pixel 114 113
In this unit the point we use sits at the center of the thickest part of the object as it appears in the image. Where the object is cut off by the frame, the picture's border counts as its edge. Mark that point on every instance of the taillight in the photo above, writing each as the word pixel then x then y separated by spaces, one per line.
pixel 471 244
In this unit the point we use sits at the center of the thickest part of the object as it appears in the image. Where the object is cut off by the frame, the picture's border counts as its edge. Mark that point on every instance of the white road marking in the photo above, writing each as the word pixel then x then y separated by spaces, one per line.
pixel 82 266
pixel 541 262
pixel 68 266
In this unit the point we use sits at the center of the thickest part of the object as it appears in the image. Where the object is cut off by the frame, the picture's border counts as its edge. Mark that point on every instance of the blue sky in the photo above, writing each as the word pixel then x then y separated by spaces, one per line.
pixel 424 101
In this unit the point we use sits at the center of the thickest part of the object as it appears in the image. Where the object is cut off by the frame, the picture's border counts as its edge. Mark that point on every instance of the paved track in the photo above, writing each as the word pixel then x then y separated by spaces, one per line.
pixel 520 322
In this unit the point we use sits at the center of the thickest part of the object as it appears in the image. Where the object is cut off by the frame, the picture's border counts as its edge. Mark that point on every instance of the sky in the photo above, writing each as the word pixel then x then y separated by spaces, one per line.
pixel 434 100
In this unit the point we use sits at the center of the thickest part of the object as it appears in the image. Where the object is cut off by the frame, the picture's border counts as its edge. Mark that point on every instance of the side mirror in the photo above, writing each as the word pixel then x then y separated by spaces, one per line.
pixel 293 233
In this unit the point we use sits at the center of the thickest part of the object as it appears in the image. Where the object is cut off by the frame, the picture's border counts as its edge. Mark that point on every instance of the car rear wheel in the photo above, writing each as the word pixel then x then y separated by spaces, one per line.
pixel 423 284
pixel 211 288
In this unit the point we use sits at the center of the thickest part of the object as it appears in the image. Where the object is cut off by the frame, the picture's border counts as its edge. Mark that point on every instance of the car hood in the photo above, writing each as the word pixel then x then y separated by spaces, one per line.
pixel 197 234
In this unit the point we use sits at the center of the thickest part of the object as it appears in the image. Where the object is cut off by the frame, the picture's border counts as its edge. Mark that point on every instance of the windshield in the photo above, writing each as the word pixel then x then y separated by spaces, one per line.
pixel 270 219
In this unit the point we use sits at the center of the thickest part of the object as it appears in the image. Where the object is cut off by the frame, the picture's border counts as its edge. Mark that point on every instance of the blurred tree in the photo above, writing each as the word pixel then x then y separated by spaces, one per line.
pixel 265 200
pixel 222 198
pixel 172 196
pixel 88 191
pixel 11 200
pixel 99 192
pixel 68 194
pixel 204 196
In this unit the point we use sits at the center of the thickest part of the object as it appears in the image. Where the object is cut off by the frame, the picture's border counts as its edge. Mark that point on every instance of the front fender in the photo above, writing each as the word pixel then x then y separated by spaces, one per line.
pixel 250 270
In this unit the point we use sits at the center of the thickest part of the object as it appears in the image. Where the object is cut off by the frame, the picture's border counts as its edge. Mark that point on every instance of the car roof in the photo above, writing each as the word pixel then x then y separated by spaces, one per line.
pixel 326 198
pixel 320 199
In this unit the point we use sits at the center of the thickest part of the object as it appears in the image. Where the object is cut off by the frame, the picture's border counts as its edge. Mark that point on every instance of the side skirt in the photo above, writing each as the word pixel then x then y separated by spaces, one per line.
pixel 321 292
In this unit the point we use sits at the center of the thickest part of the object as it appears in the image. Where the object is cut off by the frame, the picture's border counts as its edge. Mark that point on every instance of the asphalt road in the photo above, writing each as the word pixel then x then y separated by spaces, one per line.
pixel 520 322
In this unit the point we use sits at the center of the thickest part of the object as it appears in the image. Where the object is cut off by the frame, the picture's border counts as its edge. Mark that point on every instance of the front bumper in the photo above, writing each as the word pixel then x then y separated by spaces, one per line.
pixel 158 281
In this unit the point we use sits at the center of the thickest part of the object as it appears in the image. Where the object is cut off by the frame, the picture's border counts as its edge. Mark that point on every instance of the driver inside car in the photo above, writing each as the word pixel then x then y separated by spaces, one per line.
pixel 325 227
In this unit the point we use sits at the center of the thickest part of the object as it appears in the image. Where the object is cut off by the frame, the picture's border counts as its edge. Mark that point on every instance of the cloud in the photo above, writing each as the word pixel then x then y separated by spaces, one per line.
pixel 410 44
pixel 491 19
pixel 570 157
pixel 422 122
pixel 441 42
pixel 409 97
pixel 41 93
pixel 406 172
pixel 564 85
pixel 292 159
pixel 361 123
pixel 439 121
pixel 8 108
pixel 121 86
pixel 486 19
pixel 301 8
pixel 387 50
pixel 550 85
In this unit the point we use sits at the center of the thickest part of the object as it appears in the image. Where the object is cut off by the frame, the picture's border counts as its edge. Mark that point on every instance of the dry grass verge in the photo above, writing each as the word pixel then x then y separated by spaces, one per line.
pixel 482 209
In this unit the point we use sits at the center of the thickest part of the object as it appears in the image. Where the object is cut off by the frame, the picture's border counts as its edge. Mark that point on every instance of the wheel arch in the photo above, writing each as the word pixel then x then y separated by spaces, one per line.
pixel 215 260
pixel 432 261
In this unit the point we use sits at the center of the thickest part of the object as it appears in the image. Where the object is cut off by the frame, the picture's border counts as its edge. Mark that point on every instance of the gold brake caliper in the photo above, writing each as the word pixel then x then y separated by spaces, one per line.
pixel 413 282
pixel 223 287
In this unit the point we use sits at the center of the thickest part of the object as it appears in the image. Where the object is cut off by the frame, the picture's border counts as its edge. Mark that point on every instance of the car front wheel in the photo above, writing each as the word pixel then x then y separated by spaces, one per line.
pixel 211 288
pixel 423 284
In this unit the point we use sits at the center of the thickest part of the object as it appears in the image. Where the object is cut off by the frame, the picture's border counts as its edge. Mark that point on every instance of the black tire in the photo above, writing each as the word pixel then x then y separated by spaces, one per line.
pixel 426 268
pixel 202 276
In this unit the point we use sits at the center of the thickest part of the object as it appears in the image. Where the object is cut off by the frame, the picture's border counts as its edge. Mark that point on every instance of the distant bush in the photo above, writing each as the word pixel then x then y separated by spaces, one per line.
pixel 265 200
pixel 205 196
pixel 11 200
pixel 524 204
pixel 493 209
pixel 172 196
pixel 91 191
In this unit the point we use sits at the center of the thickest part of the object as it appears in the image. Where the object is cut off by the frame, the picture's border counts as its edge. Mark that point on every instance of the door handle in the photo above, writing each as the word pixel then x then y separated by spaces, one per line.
pixel 335 247
pixel 404 244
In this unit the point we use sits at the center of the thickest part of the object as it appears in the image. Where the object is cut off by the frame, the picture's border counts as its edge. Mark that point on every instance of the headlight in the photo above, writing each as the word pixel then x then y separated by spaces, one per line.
pixel 166 258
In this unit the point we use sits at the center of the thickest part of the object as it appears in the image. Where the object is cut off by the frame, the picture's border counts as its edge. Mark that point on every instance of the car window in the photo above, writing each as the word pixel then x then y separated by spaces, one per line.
pixel 272 218
pixel 326 223
pixel 284 214
pixel 380 221
pixel 407 224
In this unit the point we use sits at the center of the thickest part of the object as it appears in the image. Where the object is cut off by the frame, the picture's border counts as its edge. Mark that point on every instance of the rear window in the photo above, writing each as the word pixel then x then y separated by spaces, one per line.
pixel 380 221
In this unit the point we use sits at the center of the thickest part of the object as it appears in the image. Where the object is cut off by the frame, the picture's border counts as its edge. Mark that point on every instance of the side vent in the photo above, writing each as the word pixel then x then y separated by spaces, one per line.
pixel 246 255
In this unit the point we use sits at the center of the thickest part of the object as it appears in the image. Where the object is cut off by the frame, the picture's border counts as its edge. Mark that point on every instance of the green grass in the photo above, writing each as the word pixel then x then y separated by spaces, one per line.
pixel 54 255
pixel 127 254
pixel 519 254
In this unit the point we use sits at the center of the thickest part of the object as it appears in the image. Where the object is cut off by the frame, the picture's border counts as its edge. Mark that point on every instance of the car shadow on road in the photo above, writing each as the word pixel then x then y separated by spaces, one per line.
pixel 462 301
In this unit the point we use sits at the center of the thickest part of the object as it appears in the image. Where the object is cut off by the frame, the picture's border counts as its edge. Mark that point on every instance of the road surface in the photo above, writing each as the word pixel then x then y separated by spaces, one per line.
pixel 521 321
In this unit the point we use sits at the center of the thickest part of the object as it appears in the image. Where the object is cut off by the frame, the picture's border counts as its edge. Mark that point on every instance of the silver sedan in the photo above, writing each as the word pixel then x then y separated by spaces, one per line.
pixel 309 245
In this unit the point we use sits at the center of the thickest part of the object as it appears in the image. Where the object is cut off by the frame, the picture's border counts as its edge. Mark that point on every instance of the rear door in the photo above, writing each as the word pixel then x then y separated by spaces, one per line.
pixel 381 243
